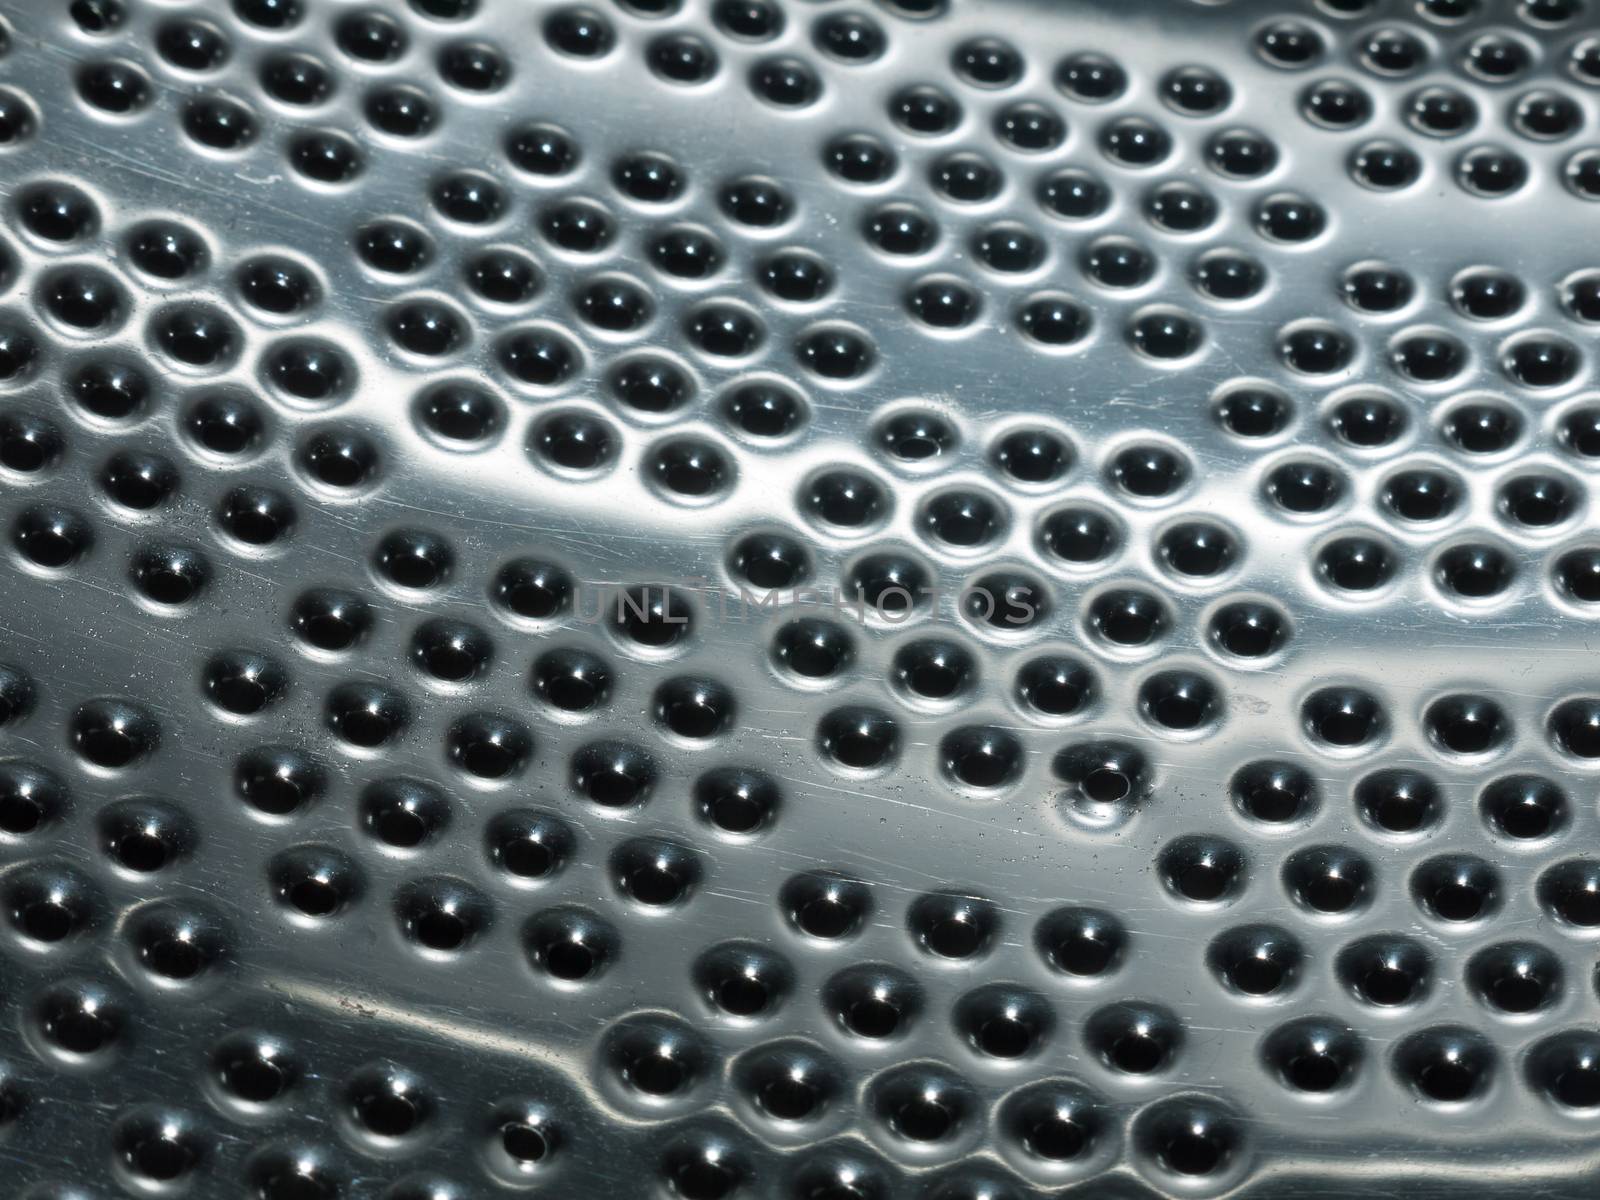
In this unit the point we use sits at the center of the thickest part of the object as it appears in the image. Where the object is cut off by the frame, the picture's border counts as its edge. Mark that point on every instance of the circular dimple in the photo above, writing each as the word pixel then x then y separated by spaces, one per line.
pixel 340 457
pixel 413 559
pixel 144 836
pixel 1421 494
pixel 1525 807
pixel 914 436
pixel 765 409
pixel 1252 411
pixel 1441 112
pixel 1305 486
pixel 1004 602
pixel 690 469
pixel 29 444
pixel 532 589
pixel 1566 1070
pixel 1316 349
pixel 366 716
pixel 682 59
pixel 1386 970
pixel 1385 166
pixel 1570 891
pixel 489 746
pixel 1474 572
pixel 937 671
pixel 952 926
pixel 1313 1054
pixel 82 300
pixel 788 1082
pixel 1574 727
pixel 1367 422
pixel 1003 1021
pixel 756 201
pixel 872 1002
pixel 1456 887
pixel 1256 960
pixel 1202 869
pixel 219 123
pixel 1227 275
pixel 742 979
pixel 310 371
pixel 825 905
pixel 1465 724
pixel 862 159
pixel 1128 618
pixel 613 774
pixel 243 682
pixel 574 442
pixel 159 1147
pixel 403 813
pixel 1190 1137
pixel 1078 536
pixel 1082 942
pixel 451 651
pixel 1340 717
pixel 1290 218
pixel 1328 879
pixel 175 942
pixel 980 757
pixel 315 882
pixel 1149 472
pixel 440 914
pixel 769 560
pixel 81 1020
pixel 1135 1037
pixel 1515 977
pixel 1541 361
pixel 737 800
pixel 113 733
pixel 1491 172
pixel 785 83
pixel 1336 104
pixel 526 844
pixel 650 619
pixel 330 620
pixel 1166 334
pixel 47 904
pixel 962 519
pixel 921 1103
pixel 845 498
pixel 571 945
pixel 1053 320
pixel 57 212
pixel 1376 287
pixel 693 708
pixel 1008 248
pixel 52 538
pixel 1447 1064
pixel 1055 686
pixel 654 1057
pixel 278 780
pixel 1273 792
pixel 1180 701
pixel 1577 575
pixel 31 798
pixel 1197 549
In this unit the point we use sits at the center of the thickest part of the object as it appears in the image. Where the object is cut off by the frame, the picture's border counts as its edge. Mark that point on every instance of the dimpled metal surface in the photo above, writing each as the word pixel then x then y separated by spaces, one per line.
pixel 434 763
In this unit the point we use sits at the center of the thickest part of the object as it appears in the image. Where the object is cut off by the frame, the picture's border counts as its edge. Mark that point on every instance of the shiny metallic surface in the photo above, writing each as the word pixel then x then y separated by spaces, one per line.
pixel 735 598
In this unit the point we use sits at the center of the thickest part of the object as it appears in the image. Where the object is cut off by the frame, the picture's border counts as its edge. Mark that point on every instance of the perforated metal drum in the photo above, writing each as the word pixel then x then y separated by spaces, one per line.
pixel 940 600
